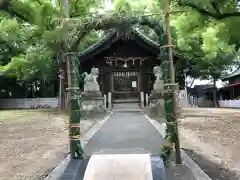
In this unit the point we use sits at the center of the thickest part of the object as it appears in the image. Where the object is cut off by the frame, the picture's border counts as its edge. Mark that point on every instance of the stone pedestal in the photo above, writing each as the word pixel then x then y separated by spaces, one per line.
pixel 93 100
pixel 156 108
pixel 93 103
pixel 91 86
pixel 158 88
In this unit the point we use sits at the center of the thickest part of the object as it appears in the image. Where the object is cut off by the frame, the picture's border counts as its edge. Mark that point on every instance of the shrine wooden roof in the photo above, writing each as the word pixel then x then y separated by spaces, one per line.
pixel 116 34
pixel 233 74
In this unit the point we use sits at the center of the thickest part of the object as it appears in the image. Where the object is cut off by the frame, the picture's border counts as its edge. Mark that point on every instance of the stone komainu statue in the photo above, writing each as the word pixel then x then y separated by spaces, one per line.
pixel 158 72
pixel 90 80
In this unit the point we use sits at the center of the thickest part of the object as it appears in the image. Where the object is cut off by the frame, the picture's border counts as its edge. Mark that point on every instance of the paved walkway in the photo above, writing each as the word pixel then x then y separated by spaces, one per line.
pixel 125 130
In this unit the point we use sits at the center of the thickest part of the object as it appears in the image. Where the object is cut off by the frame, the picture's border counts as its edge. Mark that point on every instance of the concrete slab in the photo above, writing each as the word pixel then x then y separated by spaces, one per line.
pixel 188 170
pixel 116 167
pixel 132 133
pixel 126 130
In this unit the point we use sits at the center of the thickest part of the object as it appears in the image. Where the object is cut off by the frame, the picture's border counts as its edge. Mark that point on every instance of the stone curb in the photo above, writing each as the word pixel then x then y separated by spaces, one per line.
pixel 195 169
pixel 159 126
pixel 56 173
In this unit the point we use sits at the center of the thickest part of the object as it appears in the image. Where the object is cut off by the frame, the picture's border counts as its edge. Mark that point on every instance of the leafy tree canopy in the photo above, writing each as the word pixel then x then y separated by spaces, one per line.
pixel 32 37
pixel 206 33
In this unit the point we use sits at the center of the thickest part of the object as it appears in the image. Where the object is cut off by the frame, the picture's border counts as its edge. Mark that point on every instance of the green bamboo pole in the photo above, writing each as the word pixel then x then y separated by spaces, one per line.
pixel 74 93
pixel 170 103
pixel 74 96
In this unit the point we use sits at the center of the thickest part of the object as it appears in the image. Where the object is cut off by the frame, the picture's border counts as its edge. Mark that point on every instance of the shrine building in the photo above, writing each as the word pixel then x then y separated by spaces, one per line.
pixel 125 60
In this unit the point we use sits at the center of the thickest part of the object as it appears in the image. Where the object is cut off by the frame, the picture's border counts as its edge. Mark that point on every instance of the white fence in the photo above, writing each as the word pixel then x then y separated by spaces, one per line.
pixel 229 103
pixel 31 103
pixel 182 99
pixel 199 102
pixel 26 103
pixel 185 101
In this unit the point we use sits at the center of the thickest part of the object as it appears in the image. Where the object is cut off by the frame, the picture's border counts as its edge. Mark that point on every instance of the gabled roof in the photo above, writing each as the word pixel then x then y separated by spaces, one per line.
pixel 233 74
pixel 114 35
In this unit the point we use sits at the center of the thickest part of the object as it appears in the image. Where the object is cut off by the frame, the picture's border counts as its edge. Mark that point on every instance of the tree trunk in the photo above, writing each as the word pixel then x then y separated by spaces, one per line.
pixel 63 49
pixel 63 82
pixel 215 94
pixel 63 87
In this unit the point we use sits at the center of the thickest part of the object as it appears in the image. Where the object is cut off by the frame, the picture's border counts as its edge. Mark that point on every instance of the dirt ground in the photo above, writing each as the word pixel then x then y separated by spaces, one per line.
pixel 33 142
pixel 211 136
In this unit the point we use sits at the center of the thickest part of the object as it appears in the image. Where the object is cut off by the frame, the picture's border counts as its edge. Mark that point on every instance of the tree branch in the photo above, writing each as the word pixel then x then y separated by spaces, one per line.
pixel 39 2
pixel 76 43
pixel 113 22
pixel 218 16
pixel 18 15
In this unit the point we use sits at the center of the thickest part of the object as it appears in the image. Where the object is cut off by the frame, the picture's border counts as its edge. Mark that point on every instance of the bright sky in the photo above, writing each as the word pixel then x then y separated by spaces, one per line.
pixel 219 83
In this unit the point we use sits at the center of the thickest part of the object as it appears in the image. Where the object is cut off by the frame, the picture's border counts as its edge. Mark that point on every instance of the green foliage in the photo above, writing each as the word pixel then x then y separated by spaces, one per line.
pixel 207 42
pixel 28 57
pixel 35 64
pixel 221 15
pixel 31 36
pixel 200 34
pixel 202 39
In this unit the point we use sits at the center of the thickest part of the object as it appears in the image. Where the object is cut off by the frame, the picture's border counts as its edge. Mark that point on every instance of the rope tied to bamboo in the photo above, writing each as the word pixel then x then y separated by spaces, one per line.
pixel 72 88
pixel 75 125
pixel 74 137
pixel 170 84
pixel 166 46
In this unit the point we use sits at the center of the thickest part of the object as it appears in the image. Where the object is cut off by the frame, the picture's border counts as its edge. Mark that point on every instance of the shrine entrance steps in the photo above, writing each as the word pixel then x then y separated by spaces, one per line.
pixel 126 107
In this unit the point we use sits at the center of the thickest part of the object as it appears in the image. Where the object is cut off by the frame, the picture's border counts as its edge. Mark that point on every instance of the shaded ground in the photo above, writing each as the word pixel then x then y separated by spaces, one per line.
pixel 125 130
pixel 33 142
pixel 211 138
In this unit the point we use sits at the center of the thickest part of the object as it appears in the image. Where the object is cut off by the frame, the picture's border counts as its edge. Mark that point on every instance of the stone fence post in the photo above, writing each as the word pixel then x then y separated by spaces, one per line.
pixel 146 97
pixel 109 100
pixel 105 101
pixel 142 99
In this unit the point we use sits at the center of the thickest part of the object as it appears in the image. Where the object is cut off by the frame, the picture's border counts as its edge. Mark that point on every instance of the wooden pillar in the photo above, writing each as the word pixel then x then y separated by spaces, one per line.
pixel 233 93
pixel 111 81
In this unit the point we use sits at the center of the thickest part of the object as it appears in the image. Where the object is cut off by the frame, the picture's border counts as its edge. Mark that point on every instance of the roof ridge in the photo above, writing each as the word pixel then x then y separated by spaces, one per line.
pixel 146 37
pixel 236 72
pixel 110 34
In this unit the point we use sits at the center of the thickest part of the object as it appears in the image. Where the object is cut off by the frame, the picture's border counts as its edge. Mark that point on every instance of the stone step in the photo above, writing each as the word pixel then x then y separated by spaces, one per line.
pixel 132 100
pixel 126 107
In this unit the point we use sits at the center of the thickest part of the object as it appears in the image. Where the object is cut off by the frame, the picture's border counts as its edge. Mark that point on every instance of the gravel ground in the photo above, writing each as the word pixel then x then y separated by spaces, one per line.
pixel 33 142
pixel 211 137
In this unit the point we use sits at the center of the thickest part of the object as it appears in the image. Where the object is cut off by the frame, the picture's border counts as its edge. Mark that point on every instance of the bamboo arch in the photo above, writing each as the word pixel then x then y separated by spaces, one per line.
pixel 74 78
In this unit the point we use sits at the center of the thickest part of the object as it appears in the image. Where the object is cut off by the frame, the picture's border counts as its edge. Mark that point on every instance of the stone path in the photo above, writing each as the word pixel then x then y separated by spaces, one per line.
pixel 128 132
